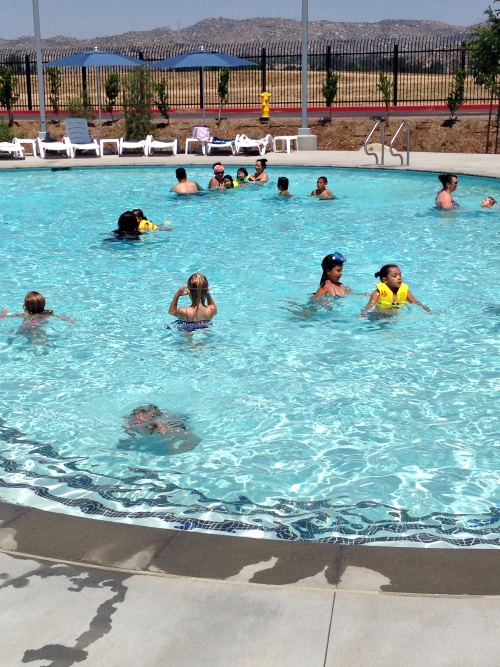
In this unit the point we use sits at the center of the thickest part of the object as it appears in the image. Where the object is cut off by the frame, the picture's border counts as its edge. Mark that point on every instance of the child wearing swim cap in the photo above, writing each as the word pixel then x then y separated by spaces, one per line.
pixel 202 309
pixel 391 293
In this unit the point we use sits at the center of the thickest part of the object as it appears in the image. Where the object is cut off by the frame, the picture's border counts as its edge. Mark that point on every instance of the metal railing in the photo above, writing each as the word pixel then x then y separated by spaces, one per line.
pixel 421 71
pixel 391 145
pixel 381 124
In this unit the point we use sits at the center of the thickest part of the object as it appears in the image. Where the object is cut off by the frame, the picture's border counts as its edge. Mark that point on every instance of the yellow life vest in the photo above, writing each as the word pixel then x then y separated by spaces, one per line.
pixel 386 296
pixel 144 225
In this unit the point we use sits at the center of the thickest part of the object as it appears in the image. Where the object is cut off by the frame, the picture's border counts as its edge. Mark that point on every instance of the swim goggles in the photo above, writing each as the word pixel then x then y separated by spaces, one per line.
pixel 338 256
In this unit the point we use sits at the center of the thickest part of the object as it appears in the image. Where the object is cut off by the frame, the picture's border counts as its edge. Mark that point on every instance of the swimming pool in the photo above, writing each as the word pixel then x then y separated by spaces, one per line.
pixel 315 424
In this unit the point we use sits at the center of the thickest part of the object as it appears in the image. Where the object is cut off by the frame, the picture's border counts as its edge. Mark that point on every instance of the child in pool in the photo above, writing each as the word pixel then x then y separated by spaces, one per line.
pixel 149 420
pixel 488 202
pixel 242 176
pixel 228 182
pixel 391 293
pixel 34 312
pixel 330 284
pixel 283 183
pixel 202 308
pixel 145 224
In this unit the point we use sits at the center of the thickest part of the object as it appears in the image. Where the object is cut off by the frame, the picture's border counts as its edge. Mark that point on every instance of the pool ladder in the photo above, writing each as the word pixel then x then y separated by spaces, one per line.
pixel 391 149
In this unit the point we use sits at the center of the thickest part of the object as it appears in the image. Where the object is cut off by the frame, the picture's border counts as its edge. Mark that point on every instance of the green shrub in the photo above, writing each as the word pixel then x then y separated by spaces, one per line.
pixel 6 133
pixel 79 106
pixel 137 103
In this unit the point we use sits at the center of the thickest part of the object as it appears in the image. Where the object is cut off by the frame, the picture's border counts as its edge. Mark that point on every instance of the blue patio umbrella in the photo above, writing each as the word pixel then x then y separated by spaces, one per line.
pixel 202 59
pixel 97 59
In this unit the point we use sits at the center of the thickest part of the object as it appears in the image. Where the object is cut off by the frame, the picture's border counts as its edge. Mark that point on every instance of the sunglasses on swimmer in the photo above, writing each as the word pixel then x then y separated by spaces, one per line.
pixel 338 256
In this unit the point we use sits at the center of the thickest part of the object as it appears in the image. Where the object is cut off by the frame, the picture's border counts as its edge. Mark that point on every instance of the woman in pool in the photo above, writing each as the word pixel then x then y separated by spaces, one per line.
pixel 444 197
pixel 217 180
pixel 128 227
pixel 202 309
pixel 391 293
pixel 259 176
pixel 34 312
pixel 330 284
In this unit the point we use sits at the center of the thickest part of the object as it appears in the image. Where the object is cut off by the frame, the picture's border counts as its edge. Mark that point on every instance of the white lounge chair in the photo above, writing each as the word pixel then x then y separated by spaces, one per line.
pixel 200 134
pixel 125 144
pixel 158 144
pixel 14 147
pixel 52 145
pixel 219 144
pixel 78 138
pixel 241 142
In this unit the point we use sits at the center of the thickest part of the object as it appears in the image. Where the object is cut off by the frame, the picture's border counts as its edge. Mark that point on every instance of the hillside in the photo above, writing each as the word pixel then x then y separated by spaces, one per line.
pixel 261 30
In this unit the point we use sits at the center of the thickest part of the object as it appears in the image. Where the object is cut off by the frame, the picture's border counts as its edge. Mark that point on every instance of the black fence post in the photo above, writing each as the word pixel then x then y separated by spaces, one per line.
pixel 84 79
pixel 28 82
pixel 463 49
pixel 395 71
pixel 263 60
pixel 328 64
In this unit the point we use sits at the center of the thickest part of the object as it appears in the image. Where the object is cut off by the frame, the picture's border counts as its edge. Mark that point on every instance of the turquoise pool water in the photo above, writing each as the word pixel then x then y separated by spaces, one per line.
pixel 315 424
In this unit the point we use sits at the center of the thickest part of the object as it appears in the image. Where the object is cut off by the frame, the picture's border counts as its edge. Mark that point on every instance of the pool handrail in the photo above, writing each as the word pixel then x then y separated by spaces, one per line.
pixel 365 145
pixel 396 153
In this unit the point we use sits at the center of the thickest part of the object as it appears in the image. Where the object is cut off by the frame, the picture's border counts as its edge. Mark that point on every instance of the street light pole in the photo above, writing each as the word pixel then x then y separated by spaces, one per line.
pixel 305 20
pixel 39 69
pixel 306 141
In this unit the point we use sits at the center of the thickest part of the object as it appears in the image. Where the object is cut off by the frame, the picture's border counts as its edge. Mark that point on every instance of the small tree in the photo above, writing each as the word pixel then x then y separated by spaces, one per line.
pixel 161 100
pixel 112 88
pixel 80 107
pixel 8 88
pixel 456 95
pixel 54 87
pixel 484 63
pixel 6 133
pixel 223 89
pixel 137 103
pixel 385 86
pixel 329 90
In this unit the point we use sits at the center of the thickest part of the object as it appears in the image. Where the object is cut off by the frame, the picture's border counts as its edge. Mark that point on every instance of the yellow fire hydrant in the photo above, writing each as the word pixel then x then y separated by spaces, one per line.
pixel 264 118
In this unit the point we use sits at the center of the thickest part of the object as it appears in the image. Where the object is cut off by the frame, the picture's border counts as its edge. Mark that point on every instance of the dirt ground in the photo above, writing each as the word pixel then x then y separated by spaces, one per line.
pixel 466 135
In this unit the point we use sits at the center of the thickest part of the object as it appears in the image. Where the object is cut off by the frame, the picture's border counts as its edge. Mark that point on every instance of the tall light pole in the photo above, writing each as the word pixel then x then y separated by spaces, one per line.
pixel 39 70
pixel 305 21
pixel 306 141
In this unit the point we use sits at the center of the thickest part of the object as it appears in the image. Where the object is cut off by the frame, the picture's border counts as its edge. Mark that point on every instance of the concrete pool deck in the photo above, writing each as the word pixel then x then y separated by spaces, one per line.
pixel 86 591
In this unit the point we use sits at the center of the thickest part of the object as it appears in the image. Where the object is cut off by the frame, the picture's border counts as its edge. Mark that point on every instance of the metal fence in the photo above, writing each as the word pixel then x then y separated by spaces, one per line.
pixel 421 72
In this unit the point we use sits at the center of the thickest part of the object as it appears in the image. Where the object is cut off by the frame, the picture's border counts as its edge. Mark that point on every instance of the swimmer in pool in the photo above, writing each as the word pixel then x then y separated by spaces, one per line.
pixel 330 284
pixel 34 312
pixel 145 224
pixel 147 420
pixel 444 197
pixel 202 308
pixel 321 190
pixel 488 202
pixel 391 293
pixel 283 187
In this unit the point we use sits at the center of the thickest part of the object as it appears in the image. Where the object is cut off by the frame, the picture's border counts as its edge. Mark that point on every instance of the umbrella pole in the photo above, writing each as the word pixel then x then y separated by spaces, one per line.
pixel 99 103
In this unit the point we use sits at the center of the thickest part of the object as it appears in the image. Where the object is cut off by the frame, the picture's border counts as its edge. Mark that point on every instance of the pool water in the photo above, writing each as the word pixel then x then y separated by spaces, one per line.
pixel 315 424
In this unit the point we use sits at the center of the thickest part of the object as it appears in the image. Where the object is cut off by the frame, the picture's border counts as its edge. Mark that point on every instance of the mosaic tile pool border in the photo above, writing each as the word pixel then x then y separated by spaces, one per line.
pixel 352 526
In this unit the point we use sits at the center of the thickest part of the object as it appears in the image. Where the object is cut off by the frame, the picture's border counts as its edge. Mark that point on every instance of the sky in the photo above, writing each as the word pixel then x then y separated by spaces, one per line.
pixel 97 18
